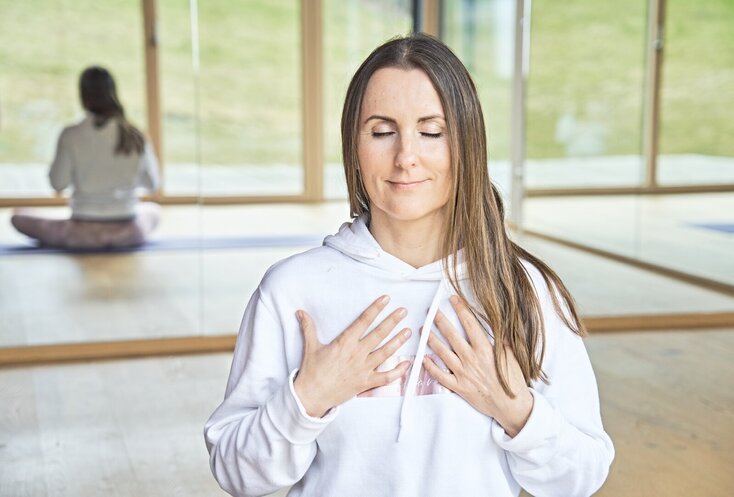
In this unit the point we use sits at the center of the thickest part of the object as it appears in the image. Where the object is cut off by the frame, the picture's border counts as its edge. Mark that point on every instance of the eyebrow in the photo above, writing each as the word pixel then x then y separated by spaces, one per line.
pixel 391 120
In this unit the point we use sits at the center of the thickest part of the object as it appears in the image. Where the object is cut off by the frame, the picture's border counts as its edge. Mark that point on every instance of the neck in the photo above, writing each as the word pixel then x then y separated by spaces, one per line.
pixel 416 242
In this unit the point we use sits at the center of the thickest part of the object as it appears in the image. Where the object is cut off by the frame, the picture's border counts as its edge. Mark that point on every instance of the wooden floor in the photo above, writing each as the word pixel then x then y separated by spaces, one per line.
pixel 134 428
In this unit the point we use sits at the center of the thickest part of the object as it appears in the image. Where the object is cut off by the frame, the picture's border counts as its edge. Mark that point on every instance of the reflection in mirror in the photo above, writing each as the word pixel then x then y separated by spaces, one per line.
pixel 583 108
pixel 39 77
pixel 697 95
pixel 694 232
pixel 51 296
pixel 231 110
pixel 584 116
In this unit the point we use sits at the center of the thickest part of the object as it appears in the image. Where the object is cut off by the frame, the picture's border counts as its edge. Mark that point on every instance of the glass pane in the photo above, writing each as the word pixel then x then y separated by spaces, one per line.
pixel 585 92
pixel 352 29
pixel 179 112
pixel 694 233
pixel 245 94
pixel 41 58
pixel 697 98
pixel 584 120
pixel 481 33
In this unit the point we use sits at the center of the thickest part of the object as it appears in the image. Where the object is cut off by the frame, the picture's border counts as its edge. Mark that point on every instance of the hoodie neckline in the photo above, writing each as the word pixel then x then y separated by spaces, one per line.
pixel 355 240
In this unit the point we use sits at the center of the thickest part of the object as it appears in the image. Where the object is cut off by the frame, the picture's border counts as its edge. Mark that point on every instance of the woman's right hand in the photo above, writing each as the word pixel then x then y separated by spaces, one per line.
pixel 334 373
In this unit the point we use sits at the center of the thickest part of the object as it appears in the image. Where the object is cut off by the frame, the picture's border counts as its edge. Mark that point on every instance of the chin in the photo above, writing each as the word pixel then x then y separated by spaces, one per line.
pixel 411 215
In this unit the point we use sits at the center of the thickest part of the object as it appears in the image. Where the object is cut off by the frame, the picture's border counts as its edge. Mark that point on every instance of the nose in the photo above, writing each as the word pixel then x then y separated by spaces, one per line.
pixel 406 153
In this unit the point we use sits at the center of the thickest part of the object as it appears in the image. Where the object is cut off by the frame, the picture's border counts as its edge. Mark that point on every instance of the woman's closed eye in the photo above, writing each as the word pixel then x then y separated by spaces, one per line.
pixel 380 134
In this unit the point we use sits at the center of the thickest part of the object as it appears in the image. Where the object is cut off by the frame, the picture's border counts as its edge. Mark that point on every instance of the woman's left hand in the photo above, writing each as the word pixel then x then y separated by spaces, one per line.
pixel 472 373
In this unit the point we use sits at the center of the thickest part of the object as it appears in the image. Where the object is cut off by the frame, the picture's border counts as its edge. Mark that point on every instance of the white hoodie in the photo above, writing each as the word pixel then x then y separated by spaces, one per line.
pixel 260 439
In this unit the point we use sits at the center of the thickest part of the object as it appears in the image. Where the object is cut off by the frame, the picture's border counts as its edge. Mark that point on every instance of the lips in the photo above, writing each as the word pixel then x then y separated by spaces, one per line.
pixel 406 185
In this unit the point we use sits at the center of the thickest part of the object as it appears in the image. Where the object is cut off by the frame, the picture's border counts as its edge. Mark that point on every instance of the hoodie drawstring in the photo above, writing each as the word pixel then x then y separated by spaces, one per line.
pixel 415 369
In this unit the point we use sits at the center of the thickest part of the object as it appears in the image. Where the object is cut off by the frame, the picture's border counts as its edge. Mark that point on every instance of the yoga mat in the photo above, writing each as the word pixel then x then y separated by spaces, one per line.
pixel 722 227
pixel 168 244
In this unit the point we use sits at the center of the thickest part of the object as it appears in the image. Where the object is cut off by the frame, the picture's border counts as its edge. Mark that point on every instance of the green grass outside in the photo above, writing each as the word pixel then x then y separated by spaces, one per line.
pixel 589 56
pixel 585 55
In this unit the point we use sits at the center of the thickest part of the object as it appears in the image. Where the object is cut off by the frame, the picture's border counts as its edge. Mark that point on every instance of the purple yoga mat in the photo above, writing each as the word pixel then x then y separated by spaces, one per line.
pixel 223 243
pixel 722 227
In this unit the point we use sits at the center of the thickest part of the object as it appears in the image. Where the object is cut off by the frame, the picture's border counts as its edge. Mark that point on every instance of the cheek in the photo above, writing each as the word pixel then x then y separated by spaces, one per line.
pixel 373 158
pixel 440 159
pixel 437 150
pixel 367 169
pixel 445 171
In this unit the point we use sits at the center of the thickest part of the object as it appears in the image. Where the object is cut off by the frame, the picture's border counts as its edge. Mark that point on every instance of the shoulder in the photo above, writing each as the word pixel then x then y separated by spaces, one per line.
pixel 73 130
pixel 299 270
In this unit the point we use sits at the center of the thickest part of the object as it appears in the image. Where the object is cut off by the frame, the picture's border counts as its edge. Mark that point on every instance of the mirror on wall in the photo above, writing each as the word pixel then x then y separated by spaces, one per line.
pixel 584 120
pixel 590 83
pixel 231 128
pixel 232 108
pixel 694 232
pixel 55 297
pixel 39 76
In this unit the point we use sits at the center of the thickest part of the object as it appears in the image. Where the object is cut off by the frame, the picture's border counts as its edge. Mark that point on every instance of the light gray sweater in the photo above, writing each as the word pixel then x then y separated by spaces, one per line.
pixel 104 184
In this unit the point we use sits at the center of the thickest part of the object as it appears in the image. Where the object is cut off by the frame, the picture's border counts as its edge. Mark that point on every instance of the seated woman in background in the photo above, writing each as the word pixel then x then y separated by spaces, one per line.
pixel 103 159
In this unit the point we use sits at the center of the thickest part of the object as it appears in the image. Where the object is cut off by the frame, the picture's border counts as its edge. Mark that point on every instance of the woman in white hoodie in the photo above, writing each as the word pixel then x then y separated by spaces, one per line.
pixel 419 351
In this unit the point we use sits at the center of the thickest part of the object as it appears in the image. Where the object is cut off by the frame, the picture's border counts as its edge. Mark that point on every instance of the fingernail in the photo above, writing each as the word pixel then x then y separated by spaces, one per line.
pixel 299 316
pixel 402 312
pixel 454 299
pixel 406 332
pixel 384 299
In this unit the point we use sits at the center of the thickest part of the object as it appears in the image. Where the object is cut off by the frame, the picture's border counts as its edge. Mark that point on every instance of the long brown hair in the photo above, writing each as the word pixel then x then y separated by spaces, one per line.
pixel 98 94
pixel 505 296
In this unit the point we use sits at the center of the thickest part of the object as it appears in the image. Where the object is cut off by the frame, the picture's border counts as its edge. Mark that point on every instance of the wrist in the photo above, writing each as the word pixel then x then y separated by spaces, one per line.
pixel 307 398
pixel 517 413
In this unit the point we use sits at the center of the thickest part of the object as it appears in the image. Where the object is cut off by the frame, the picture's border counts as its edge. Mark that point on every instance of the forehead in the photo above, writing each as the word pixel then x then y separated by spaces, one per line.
pixel 393 91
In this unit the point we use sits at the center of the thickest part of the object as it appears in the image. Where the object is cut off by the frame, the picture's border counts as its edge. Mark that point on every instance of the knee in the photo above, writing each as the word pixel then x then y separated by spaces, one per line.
pixel 20 222
pixel 148 217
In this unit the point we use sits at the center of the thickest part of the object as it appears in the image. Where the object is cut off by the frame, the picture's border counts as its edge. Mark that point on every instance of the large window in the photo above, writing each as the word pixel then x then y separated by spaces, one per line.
pixel 585 93
pixel 44 46
pixel 697 128
pixel 231 86
pixel 481 33
pixel 584 119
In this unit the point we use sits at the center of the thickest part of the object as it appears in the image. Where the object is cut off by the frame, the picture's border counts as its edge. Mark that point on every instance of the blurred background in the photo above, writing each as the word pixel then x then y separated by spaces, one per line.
pixel 610 136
